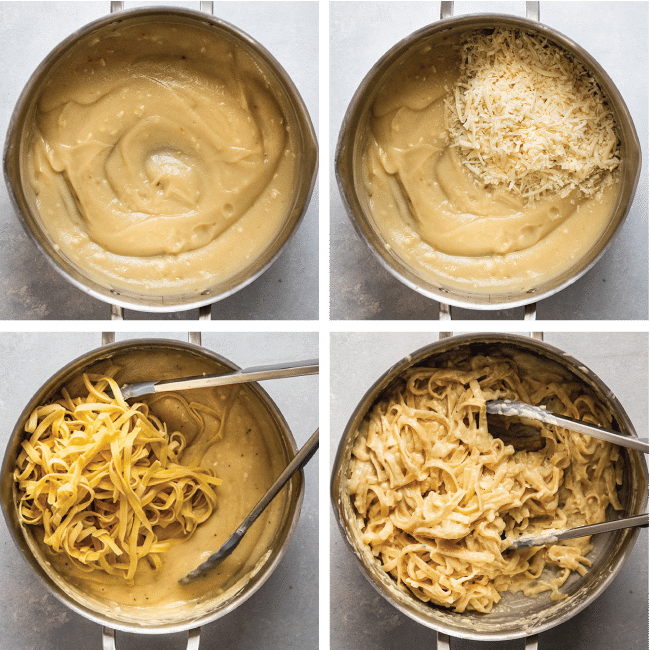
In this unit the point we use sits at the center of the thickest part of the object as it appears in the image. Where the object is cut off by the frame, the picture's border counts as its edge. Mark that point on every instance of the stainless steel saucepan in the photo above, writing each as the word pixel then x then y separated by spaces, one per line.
pixel 515 616
pixel 141 360
pixel 350 169
pixel 139 298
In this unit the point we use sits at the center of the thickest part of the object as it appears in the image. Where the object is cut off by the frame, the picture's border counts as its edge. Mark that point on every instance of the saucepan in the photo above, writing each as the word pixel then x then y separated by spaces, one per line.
pixel 241 261
pixel 351 170
pixel 155 359
pixel 516 616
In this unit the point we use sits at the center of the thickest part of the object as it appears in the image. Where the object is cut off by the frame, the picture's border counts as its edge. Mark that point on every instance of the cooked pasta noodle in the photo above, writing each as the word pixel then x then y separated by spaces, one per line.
pixel 438 497
pixel 103 480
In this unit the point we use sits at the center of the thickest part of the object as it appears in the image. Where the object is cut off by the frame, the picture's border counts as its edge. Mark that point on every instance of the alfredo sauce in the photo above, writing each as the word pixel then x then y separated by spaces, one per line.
pixel 162 158
pixel 433 213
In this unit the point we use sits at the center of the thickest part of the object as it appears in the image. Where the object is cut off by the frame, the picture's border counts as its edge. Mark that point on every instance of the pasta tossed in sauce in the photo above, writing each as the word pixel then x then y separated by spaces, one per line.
pixel 438 497
pixel 104 481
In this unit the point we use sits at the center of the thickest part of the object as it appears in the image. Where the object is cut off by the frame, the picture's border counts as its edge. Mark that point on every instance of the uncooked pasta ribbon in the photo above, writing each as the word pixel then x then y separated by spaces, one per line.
pixel 103 479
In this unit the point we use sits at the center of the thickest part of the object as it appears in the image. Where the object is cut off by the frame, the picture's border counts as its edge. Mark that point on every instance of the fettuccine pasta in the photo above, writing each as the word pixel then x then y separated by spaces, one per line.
pixel 438 497
pixel 103 480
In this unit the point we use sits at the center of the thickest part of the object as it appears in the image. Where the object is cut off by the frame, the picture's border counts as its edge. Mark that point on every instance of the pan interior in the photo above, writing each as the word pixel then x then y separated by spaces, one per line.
pixel 516 615
pixel 156 602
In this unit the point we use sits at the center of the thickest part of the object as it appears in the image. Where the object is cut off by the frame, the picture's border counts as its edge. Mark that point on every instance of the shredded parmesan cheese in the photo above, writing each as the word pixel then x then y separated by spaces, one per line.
pixel 528 117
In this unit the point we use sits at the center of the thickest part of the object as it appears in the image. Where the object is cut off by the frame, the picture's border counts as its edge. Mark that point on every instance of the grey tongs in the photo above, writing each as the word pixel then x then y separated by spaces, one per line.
pixel 257 373
pixel 555 536
pixel 511 408
pixel 298 462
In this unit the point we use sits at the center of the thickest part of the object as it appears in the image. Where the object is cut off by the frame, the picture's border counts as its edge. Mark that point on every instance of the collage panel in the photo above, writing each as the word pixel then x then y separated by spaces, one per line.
pixel 160 160
pixel 423 495
pixel 411 227
pixel 168 477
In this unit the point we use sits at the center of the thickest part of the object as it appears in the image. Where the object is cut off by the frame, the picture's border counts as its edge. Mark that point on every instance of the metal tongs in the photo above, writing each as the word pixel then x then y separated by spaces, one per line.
pixel 256 373
pixel 555 536
pixel 511 408
pixel 298 462
pixel 521 410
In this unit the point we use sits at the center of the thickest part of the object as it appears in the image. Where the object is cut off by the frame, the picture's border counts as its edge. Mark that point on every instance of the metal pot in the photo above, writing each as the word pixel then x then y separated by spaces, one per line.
pixel 18 138
pixel 349 170
pixel 516 616
pixel 156 359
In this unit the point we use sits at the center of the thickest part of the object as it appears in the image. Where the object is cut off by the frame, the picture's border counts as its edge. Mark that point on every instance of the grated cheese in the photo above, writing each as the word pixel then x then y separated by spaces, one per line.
pixel 528 117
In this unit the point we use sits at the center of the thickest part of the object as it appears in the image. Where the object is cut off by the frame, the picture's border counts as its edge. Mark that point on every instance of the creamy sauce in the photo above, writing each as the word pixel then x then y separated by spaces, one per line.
pixel 162 158
pixel 409 471
pixel 248 458
pixel 437 218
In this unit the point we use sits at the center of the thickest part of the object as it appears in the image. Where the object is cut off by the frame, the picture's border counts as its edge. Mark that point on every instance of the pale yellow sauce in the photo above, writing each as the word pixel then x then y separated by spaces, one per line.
pixel 162 158
pixel 437 218
pixel 248 458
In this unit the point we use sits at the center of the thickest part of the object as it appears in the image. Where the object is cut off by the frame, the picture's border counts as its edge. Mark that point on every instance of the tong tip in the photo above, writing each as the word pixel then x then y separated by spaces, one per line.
pixel 216 558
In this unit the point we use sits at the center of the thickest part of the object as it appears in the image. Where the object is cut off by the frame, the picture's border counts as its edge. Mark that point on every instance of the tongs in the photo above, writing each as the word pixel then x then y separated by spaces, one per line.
pixel 521 410
pixel 512 408
pixel 555 536
pixel 256 373
pixel 298 462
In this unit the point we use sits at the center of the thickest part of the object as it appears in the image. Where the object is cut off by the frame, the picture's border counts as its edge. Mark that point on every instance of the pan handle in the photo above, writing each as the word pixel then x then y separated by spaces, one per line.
pixel 206 5
pixel 447 10
pixel 108 638
pixel 531 641
pixel 193 336
pixel 443 642
pixel 530 314
pixel 117 315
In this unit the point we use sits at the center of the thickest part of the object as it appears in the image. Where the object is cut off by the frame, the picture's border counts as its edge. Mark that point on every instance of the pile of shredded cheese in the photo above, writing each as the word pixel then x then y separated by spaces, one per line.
pixel 528 117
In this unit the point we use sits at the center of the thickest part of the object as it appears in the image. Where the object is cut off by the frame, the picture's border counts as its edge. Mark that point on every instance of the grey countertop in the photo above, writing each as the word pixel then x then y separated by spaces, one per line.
pixel 616 34
pixel 361 619
pixel 32 289
pixel 283 613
